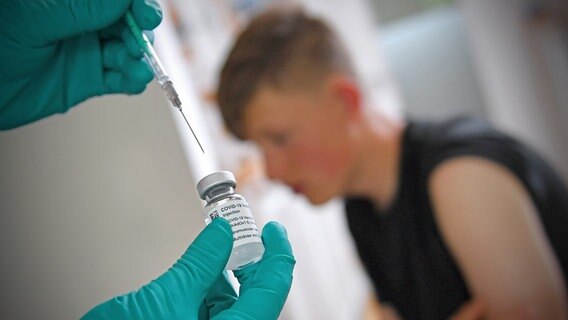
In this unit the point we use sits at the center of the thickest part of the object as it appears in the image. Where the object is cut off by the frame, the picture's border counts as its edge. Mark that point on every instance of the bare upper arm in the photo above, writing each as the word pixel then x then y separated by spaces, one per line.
pixel 491 226
pixel 375 310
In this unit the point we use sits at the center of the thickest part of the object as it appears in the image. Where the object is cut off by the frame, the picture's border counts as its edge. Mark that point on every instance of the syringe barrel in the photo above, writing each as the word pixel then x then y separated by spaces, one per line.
pixel 149 52
pixel 155 63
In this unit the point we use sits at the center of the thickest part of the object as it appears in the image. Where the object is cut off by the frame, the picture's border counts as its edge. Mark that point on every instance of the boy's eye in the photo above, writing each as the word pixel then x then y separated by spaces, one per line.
pixel 279 139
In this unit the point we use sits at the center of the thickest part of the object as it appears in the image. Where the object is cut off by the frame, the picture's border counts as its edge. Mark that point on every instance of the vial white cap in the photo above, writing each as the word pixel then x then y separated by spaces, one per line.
pixel 215 179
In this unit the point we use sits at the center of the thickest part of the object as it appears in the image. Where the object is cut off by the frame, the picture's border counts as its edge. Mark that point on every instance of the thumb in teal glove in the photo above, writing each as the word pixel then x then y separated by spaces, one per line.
pixel 57 53
pixel 196 287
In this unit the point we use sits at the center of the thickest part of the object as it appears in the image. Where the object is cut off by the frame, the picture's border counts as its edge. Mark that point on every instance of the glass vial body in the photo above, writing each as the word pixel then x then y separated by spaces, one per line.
pixel 217 189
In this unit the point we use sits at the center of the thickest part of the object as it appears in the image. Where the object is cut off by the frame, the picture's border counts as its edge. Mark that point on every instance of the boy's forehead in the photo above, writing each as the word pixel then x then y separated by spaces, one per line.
pixel 267 102
pixel 267 98
pixel 262 111
pixel 272 108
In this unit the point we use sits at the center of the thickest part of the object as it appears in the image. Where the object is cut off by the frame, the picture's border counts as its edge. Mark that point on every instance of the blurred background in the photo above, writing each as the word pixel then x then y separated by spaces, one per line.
pixel 100 201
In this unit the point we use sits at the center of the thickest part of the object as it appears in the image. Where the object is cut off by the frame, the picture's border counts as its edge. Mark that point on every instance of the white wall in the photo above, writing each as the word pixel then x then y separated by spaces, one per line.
pixel 431 63
pixel 356 25
pixel 93 204
pixel 516 76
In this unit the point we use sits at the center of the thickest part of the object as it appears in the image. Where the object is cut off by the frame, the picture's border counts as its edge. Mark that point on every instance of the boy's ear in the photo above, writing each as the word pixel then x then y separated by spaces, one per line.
pixel 348 92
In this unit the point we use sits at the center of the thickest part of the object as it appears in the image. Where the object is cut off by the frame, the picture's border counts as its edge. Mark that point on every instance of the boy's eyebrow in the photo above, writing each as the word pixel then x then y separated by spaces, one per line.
pixel 268 133
pixel 271 130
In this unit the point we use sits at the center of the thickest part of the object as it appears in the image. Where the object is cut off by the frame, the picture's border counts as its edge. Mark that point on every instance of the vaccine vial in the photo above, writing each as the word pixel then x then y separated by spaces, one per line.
pixel 218 190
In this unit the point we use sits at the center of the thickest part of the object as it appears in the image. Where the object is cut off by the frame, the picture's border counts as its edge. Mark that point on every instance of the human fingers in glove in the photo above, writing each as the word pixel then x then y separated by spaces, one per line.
pixel 196 286
pixel 55 54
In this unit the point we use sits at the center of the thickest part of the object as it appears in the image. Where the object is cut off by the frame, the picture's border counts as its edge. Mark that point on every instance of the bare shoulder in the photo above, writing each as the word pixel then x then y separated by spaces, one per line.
pixel 492 228
pixel 468 173
pixel 474 189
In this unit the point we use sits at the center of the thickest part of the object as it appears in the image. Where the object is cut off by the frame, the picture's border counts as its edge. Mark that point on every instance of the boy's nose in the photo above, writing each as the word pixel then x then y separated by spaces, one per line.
pixel 276 167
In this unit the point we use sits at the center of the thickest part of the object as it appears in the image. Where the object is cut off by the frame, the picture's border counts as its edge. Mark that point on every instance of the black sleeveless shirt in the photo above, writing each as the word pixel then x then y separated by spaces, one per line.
pixel 402 248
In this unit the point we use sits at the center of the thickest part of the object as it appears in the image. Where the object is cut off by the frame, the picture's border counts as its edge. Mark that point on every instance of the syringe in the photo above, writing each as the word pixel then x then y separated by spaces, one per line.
pixel 157 68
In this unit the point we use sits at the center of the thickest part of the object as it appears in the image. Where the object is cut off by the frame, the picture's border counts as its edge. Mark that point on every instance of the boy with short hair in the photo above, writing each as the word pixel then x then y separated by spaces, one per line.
pixel 442 214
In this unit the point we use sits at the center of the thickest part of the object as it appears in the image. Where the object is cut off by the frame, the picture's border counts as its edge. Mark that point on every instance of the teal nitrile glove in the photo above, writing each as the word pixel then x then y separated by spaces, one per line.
pixel 196 286
pixel 57 53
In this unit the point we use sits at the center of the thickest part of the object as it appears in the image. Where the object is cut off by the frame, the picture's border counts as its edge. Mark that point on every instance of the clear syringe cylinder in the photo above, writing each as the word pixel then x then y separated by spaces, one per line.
pixel 160 73
pixel 155 63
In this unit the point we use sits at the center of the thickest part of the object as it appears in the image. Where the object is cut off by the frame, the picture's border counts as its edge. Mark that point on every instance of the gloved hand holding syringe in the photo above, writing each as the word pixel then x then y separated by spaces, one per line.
pixel 157 68
pixel 57 54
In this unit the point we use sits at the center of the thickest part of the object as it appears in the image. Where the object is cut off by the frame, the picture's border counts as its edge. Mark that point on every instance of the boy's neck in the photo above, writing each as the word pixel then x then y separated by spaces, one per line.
pixel 376 174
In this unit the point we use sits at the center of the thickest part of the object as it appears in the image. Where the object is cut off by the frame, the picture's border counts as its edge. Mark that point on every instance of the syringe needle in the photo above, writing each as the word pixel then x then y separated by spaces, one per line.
pixel 199 143
pixel 176 102
pixel 158 69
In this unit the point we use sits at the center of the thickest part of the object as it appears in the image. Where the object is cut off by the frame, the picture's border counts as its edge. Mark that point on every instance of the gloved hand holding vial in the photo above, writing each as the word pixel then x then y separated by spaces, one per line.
pixel 195 287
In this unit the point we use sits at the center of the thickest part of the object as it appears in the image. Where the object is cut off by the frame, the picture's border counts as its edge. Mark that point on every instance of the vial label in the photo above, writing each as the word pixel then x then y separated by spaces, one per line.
pixel 238 213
